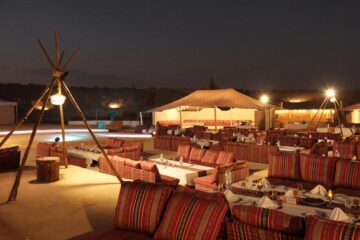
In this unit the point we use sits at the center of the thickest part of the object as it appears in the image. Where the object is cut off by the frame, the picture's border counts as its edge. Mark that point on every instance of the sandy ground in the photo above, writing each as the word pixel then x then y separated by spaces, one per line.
pixel 82 201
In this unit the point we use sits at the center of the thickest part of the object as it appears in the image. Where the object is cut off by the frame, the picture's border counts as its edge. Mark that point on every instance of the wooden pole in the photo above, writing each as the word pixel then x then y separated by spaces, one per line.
pixel 338 118
pixel 322 112
pixel 313 118
pixel 215 118
pixel 57 50
pixel 27 114
pixel 73 55
pixel 82 116
pixel 62 123
pixel 46 54
pixel 15 187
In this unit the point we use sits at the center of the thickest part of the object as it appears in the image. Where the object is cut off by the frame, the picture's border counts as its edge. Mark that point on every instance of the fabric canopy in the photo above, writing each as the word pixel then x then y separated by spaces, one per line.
pixel 215 98
pixel 352 107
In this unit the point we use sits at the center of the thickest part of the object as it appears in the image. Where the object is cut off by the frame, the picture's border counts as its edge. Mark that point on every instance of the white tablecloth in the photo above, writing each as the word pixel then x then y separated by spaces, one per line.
pixel 89 156
pixel 185 176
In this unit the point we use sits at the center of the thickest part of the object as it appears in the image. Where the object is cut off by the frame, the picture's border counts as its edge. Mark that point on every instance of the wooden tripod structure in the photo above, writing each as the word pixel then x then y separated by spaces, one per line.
pixel 58 76
pixel 337 107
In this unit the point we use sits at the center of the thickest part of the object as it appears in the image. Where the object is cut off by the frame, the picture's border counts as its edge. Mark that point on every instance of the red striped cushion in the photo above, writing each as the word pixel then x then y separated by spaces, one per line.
pixel 358 151
pixel 118 163
pixel 347 174
pixel 320 228
pixel 236 231
pixel 268 219
pixel 346 149
pixel 118 143
pixel 225 157
pixel 110 142
pixel 260 153
pixel 196 154
pixel 189 217
pixel 317 169
pixel 183 151
pixel 140 206
pixel 113 233
pixel 132 163
pixel 284 165
pixel 210 157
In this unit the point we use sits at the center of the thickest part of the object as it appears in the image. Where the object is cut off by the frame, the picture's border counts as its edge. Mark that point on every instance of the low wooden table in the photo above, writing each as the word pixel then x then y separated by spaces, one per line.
pixel 47 169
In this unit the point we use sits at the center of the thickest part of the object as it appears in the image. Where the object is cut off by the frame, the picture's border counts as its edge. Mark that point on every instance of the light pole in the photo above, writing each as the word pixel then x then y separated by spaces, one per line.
pixel 265 99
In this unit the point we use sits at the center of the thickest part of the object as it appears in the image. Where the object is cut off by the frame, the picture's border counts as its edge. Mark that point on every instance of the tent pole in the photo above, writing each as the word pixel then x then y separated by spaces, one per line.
pixel 215 118
pixel 141 119
pixel 15 187
pixel 197 115
pixel 27 114
pixel 82 116
pixel 180 117
pixel 62 124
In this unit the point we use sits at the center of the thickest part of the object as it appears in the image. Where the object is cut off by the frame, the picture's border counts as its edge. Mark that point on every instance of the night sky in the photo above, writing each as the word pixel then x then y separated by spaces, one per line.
pixel 251 44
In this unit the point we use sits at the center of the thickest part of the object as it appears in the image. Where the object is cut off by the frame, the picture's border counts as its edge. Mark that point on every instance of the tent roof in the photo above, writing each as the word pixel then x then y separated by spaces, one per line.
pixel 352 107
pixel 219 98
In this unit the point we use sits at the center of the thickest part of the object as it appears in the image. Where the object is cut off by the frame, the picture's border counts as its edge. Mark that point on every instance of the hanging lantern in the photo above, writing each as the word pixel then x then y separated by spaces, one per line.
pixel 57 99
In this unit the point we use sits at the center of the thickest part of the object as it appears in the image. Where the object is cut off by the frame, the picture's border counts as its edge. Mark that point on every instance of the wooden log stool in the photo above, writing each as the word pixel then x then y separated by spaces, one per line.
pixel 47 169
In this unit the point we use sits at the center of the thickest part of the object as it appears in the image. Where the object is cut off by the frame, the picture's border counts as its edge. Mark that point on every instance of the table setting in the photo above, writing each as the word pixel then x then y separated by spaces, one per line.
pixel 295 201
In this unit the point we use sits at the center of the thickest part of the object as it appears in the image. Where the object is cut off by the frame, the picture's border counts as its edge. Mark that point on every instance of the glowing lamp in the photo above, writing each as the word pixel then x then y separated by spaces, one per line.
pixel 332 99
pixel 114 105
pixel 57 99
pixel 264 99
pixel 330 93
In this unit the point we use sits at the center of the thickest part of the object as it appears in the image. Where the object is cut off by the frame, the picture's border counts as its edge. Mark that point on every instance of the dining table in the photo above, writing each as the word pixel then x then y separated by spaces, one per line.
pixel 247 193
pixel 185 172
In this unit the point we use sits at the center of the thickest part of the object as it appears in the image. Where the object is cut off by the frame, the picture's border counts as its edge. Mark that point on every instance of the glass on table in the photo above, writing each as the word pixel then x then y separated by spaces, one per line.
pixel 348 204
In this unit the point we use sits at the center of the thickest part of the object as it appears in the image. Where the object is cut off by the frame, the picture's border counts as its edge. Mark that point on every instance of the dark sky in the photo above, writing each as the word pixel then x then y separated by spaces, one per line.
pixel 243 44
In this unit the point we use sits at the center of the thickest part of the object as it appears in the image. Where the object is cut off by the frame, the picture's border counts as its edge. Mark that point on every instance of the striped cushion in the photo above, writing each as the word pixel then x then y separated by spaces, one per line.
pixel 196 154
pixel 225 157
pixel 113 233
pixel 110 142
pixel 320 228
pixel 183 151
pixel 140 206
pixel 236 231
pixel 260 153
pixel 210 157
pixel 42 150
pixel 118 143
pixel 317 169
pixel 268 219
pixel 346 149
pixel 151 167
pixel 118 163
pixel 358 150
pixel 189 217
pixel 347 174
pixel 132 163
pixel 284 165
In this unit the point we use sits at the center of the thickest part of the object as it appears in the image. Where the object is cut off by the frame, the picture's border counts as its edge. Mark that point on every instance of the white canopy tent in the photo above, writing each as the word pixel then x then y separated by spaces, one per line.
pixel 204 99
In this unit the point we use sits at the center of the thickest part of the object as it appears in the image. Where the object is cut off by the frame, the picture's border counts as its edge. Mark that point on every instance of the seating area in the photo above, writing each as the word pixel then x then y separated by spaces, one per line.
pixel 184 213
pixel 204 157
pixel 124 148
pixel 310 170
pixel 45 149
pixel 9 158
pixel 136 170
